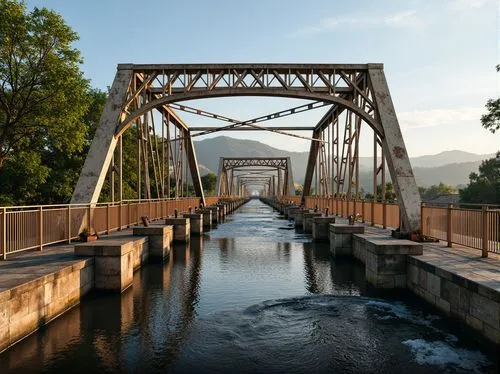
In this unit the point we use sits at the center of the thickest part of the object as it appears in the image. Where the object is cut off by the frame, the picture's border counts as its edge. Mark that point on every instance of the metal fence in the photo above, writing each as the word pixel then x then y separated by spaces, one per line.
pixel 473 226
pixel 33 227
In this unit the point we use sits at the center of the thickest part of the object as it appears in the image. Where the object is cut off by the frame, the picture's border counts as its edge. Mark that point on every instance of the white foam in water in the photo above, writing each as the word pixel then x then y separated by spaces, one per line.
pixel 399 310
pixel 441 353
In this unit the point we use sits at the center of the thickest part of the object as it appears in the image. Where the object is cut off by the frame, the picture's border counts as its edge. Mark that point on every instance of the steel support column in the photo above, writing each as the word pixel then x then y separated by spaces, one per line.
pixel 395 152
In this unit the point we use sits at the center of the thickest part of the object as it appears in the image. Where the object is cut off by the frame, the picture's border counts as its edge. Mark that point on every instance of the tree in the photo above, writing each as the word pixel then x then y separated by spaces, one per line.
pixel 390 194
pixel 491 120
pixel 298 189
pixel 484 188
pixel 44 174
pixel 436 190
pixel 43 94
pixel 208 182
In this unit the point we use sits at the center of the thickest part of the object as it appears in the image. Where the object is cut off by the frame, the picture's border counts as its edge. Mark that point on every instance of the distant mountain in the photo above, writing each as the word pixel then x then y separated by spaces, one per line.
pixel 209 151
pixel 451 167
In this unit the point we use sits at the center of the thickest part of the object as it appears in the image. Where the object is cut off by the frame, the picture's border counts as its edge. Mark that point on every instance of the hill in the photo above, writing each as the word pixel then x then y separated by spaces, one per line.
pixel 451 167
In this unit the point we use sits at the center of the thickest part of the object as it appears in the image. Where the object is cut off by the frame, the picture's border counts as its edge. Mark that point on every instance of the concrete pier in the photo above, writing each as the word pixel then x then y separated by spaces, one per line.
pixel 160 239
pixel 207 218
pixel 115 260
pixel 215 214
pixel 321 228
pixel 384 258
pixel 307 223
pixel 298 217
pixel 182 228
pixel 195 222
pixel 341 238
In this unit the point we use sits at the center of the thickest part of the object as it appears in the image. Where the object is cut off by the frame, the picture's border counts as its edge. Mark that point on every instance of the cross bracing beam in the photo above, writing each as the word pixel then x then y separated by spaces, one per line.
pixel 247 128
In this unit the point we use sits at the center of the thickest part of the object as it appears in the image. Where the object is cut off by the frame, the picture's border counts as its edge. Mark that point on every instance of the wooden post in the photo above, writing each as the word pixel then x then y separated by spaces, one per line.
pixel 363 210
pixel 449 228
pixel 40 228
pixel 484 214
pixel 69 223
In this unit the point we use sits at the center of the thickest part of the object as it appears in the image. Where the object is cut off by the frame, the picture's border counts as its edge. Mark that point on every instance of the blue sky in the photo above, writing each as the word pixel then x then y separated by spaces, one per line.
pixel 439 56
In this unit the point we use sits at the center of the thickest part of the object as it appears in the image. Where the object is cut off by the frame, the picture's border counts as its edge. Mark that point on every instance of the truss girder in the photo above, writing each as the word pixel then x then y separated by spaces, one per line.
pixel 255 171
pixel 361 89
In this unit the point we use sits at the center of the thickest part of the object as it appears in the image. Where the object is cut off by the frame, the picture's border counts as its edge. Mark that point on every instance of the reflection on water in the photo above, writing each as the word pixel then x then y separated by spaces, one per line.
pixel 244 297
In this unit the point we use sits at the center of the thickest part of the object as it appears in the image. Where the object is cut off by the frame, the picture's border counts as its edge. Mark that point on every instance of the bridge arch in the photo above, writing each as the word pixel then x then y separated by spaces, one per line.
pixel 360 89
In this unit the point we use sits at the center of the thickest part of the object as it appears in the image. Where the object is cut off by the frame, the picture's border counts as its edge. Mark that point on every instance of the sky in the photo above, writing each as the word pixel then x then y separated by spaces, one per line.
pixel 439 56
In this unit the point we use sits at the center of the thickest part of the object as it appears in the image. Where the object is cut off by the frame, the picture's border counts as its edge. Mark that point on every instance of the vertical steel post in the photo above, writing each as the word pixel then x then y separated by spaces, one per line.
pixel 40 221
pixel 69 223
pixel 107 219
pixel 4 233
pixel 486 239
pixel 449 228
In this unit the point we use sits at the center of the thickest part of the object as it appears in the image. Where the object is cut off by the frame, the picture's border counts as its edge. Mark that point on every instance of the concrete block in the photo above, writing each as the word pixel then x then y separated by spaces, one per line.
pixel 207 218
pixel 298 217
pixel 473 322
pixel 195 222
pixel 485 310
pixel 159 240
pixel 308 220
pixel 182 228
pixel 215 213
pixel 434 284
pixel 321 228
pixel 443 305
pixel 491 333
pixel 341 228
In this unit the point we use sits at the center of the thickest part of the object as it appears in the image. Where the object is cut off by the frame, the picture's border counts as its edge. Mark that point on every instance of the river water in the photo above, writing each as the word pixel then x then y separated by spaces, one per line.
pixel 251 296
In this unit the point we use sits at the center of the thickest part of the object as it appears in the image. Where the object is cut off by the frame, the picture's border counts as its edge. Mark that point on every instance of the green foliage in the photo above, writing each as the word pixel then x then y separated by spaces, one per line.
pixel 491 120
pixel 436 190
pixel 43 94
pixel 46 174
pixel 484 188
pixel 208 182
pixel 299 189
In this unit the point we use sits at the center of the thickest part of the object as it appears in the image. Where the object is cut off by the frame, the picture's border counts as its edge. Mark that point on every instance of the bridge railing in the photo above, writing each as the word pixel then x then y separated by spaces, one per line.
pixel 36 226
pixel 474 226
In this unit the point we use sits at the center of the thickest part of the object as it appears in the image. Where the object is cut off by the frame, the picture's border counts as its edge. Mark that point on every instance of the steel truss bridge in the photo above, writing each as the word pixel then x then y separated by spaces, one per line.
pixel 273 176
pixel 147 98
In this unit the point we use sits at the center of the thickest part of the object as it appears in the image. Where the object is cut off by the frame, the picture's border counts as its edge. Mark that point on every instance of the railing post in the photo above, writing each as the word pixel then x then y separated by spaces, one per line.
pixel 486 239
pixel 128 215
pixel 69 223
pixel 40 228
pixel 449 225
pixel 363 210
pixel 372 223
pixel 120 222
pixel 107 219
pixel 422 206
pixel 89 219
pixel 384 214
pixel 4 234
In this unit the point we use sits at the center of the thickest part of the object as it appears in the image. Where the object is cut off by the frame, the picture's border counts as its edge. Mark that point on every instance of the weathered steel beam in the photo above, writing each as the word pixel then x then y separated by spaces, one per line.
pixel 246 128
pixel 89 185
pixel 395 152
pixel 193 166
pixel 281 68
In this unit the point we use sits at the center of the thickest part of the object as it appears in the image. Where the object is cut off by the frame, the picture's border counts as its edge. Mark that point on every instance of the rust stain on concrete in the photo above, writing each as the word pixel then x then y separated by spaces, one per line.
pixel 398 152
